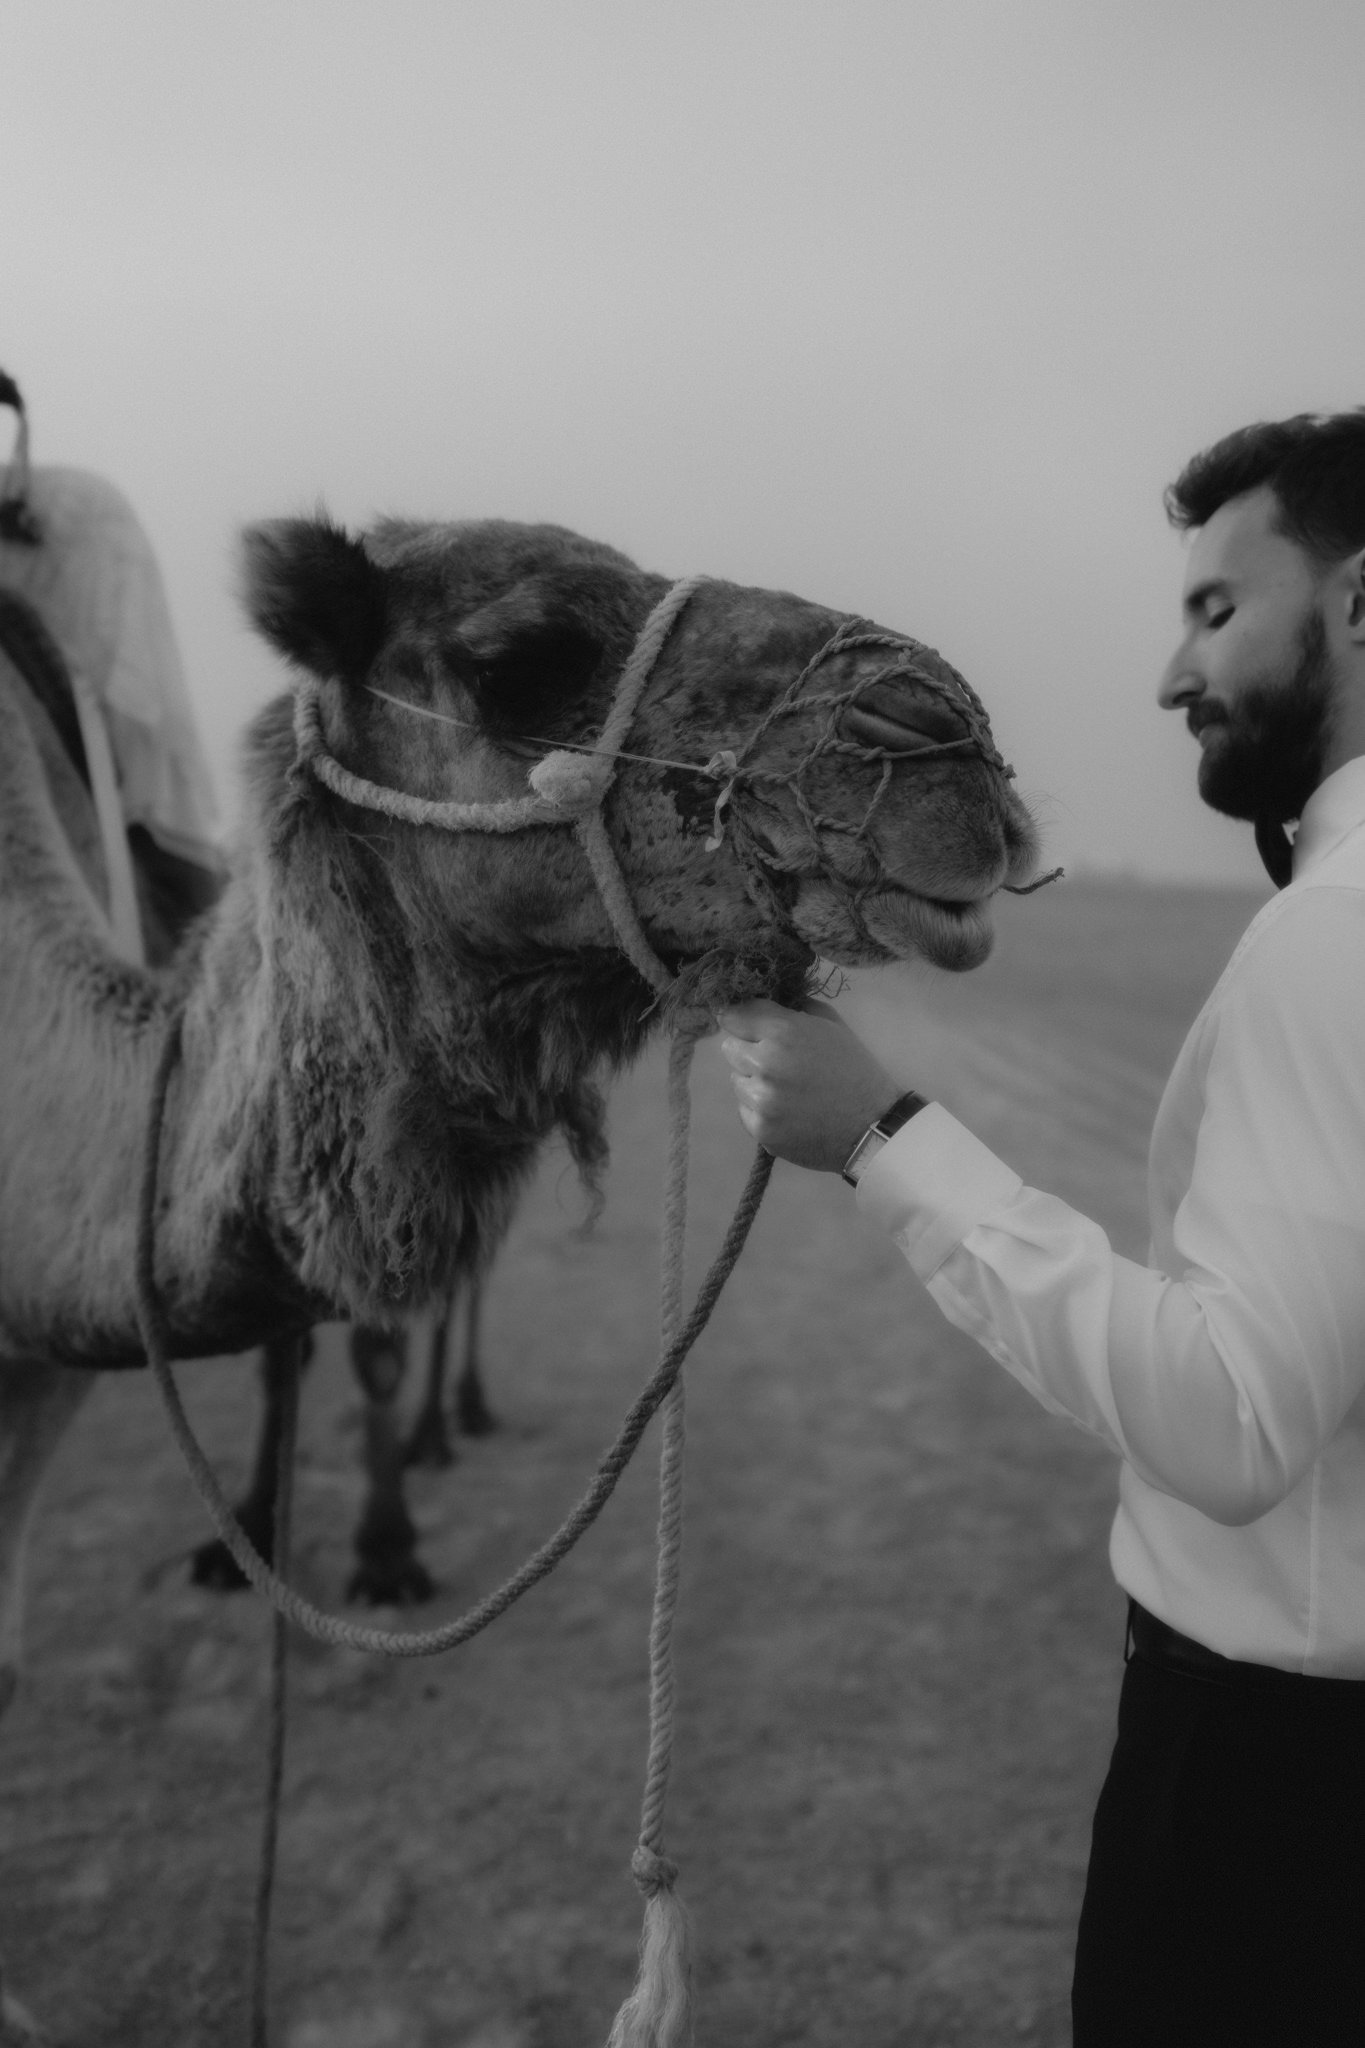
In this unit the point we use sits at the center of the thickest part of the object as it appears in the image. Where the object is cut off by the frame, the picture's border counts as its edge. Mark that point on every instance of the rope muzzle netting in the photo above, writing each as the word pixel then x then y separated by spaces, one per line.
pixel 568 787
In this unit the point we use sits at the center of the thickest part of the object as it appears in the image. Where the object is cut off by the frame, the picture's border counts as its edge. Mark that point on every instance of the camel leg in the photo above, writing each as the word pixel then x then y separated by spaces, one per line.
pixel 429 1441
pixel 37 1403
pixel 388 1571
pixel 472 1411
pixel 213 1564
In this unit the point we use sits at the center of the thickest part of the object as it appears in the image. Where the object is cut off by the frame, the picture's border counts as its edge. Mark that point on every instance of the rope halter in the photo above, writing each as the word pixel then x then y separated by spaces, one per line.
pixel 568 786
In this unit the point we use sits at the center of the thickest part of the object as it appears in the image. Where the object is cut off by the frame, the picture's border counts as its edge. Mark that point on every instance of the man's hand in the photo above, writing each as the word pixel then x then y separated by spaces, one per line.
pixel 807 1088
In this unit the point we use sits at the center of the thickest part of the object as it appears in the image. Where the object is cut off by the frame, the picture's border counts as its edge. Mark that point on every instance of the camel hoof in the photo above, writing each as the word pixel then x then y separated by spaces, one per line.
pixel 473 1413
pixel 388 1584
pixel 213 1565
pixel 429 1444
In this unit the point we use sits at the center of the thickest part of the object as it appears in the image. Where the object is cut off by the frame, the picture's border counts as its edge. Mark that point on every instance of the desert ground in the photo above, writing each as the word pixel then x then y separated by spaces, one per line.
pixel 899 1647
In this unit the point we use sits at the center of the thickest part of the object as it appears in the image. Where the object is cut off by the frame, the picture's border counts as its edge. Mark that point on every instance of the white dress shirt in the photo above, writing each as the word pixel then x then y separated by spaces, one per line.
pixel 1229 1372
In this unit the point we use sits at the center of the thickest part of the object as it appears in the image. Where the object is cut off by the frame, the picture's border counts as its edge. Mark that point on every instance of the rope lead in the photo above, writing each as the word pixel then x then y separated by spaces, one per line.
pixel 664 1946
pixel 279 1677
pixel 658 2013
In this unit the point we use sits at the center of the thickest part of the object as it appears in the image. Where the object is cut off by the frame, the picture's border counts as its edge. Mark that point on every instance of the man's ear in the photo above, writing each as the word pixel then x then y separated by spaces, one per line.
pixel 315 595
pixel 1355 597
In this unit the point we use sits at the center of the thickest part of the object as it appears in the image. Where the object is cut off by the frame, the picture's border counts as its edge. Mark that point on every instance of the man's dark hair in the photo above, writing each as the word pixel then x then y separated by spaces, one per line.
pixel 1315 465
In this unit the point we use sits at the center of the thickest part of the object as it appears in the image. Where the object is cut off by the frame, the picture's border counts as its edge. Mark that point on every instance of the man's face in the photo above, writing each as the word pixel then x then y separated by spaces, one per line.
pixel 1252 672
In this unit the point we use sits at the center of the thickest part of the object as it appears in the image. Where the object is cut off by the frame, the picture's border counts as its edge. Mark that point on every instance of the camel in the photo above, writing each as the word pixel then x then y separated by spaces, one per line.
pixel 384 1022
pixel 82 612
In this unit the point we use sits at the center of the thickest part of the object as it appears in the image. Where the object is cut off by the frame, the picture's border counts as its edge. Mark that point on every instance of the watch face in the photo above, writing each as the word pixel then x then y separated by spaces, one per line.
pixel 863 1153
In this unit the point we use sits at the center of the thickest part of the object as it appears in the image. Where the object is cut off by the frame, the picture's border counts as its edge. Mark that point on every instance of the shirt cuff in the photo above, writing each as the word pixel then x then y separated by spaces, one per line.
pixel 932 1183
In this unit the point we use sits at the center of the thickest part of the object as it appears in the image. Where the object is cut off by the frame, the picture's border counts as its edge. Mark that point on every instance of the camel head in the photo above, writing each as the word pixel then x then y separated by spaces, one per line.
pixel 868 819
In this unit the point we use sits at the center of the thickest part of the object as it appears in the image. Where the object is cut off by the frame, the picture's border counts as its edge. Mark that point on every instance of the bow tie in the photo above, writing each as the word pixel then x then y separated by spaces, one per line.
pixel 1276 851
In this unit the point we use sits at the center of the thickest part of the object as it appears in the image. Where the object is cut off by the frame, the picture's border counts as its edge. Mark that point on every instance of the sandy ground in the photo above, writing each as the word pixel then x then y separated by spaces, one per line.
pixel 899 1648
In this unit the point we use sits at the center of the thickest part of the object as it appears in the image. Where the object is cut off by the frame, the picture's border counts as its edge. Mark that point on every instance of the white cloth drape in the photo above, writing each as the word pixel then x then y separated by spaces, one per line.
pixel 95 581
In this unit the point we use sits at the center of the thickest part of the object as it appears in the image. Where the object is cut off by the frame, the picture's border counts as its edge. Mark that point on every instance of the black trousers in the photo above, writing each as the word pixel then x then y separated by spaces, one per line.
pixel 1225 1901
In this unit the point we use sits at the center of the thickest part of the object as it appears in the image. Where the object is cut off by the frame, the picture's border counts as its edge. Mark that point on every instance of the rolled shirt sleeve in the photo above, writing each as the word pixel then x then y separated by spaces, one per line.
pixel 1220 1371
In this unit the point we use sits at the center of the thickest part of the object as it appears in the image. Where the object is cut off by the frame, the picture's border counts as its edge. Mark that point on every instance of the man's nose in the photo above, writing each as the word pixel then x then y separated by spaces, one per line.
pixel 1179 685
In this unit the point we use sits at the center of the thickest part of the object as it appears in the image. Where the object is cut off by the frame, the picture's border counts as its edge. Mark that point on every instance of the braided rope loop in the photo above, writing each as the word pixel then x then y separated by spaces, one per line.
pixel 509 814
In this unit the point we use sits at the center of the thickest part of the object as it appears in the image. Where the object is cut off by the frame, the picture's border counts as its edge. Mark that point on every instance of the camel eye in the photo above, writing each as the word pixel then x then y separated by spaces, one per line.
pixel 537 684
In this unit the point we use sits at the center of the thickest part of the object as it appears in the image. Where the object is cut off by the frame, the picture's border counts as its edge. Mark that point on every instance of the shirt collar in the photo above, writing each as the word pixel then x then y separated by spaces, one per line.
pixel 1335 808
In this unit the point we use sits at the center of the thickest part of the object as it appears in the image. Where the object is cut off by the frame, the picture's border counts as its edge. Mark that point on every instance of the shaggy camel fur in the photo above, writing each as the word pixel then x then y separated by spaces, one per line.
pixel 83 613
pixel 383 1023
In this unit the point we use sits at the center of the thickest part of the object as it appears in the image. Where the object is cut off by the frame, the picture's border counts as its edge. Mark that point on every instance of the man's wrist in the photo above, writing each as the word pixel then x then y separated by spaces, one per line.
pixel 879 1132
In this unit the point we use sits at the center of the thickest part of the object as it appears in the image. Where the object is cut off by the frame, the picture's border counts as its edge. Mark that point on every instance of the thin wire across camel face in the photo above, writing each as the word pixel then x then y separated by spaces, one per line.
pixel 725 766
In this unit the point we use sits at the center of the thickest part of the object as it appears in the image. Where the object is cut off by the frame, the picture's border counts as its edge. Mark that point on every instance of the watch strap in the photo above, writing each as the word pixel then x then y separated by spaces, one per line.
pixel 877 1133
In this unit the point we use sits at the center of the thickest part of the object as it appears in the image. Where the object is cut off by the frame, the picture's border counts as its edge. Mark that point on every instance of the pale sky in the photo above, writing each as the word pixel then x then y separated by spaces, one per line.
pixel 913 308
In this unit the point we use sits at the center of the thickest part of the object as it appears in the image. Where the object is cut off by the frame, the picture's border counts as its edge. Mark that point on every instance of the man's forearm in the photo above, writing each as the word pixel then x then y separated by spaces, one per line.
pixel 1135 1358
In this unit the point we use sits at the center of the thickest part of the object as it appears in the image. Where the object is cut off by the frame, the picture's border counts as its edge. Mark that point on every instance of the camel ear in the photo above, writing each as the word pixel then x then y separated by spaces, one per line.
pixel 315 594
pixel 535 649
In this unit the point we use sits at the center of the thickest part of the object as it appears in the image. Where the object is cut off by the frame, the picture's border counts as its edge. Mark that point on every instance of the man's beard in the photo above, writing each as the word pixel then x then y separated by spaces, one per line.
pixel 1268 757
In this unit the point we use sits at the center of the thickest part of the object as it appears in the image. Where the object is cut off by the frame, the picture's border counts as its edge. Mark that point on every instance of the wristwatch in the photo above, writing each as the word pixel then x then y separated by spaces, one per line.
pixel 875 1136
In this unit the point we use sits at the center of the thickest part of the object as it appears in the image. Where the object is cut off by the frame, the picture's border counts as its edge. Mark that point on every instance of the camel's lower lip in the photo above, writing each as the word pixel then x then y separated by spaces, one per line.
pixel 955 933
pixel 893 923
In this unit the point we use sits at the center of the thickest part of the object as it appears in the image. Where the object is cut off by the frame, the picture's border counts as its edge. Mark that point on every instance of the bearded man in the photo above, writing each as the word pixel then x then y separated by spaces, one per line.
pixel 1225 1900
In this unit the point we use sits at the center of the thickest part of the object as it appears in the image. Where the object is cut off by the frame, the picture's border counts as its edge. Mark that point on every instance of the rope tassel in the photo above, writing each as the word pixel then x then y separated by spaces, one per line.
pixel 658 2013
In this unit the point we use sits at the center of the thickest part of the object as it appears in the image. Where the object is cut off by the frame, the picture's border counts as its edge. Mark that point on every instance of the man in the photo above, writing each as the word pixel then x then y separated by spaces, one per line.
pixel 1225 1901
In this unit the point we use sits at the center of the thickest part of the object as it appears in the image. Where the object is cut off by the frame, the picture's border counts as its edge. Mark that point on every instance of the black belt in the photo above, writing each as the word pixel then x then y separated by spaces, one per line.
pixel 1156 1643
